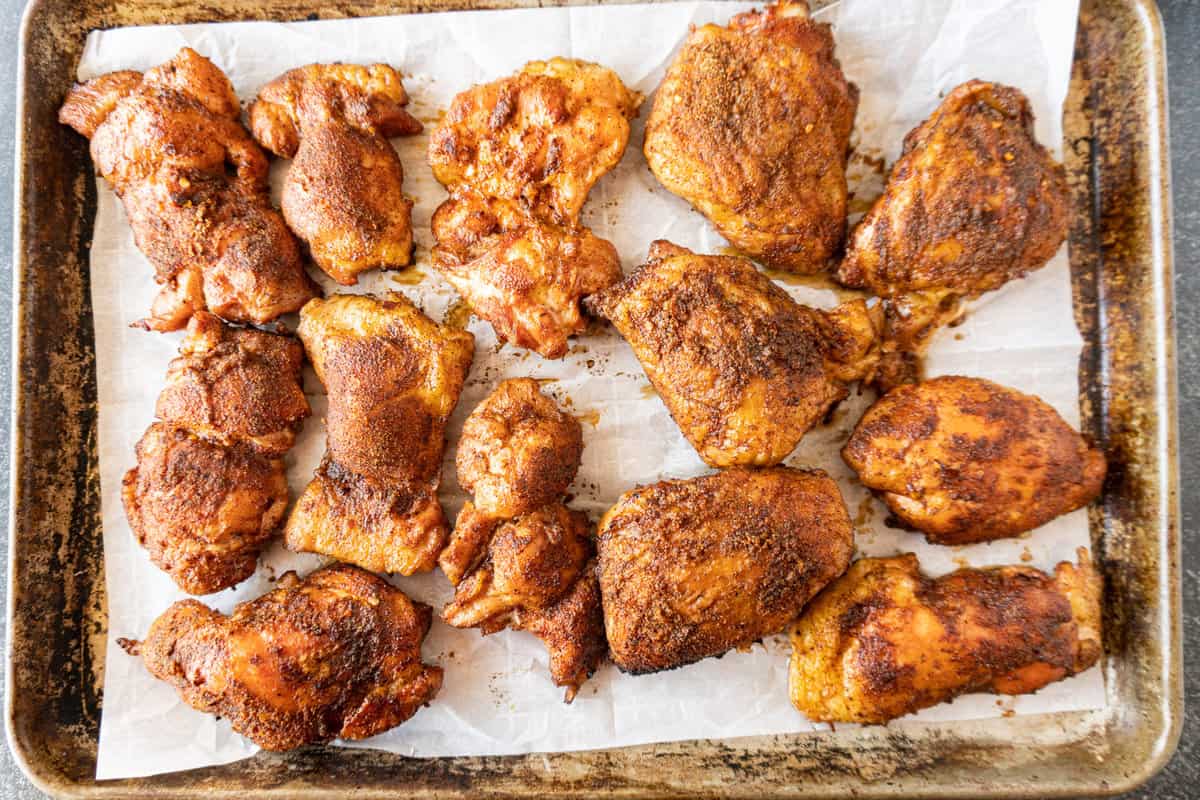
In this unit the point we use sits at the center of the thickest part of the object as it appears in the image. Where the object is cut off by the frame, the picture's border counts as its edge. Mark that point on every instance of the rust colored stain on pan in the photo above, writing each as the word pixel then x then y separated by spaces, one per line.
pixel 1115 151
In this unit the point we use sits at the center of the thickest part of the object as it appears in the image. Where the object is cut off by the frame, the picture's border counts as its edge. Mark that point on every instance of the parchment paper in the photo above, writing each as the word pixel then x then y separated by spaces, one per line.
pixel 498 698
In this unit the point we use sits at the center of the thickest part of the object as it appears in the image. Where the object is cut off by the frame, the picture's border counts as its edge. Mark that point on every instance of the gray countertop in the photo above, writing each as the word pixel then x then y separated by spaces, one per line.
pixel 1181 778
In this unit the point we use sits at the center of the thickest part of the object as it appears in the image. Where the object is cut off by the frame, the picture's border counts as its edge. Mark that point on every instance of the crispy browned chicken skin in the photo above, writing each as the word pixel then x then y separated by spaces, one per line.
pixel 393 377
pixel 973 202
pixel 884 640
pixel 518 450
pixel 744 370
pixel 518 557
pixel 752 126
pixel 210 488
pixel 194 186
pixel 519 156
pixel 967 460
pixel 337 654
pixel 693 568
pixel 344 192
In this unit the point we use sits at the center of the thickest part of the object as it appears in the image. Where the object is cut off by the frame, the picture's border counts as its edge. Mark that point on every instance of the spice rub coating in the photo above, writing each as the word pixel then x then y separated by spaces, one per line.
pixel 884 640
pixel 343 194
pixel 210 489
pixel 968 460
pixel 752 126
pixel 973 202
pixel 393 377
pixel 744 370
pixel 337 654
pixel 689 569
pixel 194 186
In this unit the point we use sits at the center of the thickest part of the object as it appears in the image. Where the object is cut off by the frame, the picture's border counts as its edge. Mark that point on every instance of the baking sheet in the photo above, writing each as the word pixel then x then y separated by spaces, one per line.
pixel 498 698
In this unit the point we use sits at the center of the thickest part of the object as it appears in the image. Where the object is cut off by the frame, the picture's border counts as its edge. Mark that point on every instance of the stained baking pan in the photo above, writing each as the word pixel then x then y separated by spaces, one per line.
pixel 1116 155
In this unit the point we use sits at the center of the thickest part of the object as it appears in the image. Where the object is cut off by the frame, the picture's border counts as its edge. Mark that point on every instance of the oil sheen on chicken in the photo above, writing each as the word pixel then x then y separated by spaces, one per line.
pixel 884 640
pixel 337 654
pixel 968 460
pixel 194 186
pixel 344 192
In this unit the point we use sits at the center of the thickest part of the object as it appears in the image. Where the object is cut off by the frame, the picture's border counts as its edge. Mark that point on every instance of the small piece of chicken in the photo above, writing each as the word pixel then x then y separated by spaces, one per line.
pixel 692 568
pixel 210 488
pixel 518 557
pixel 967 460
pixel 520 273
pixel 518 451
pixel 752 126
pixel 884 640
pixel 973 202
pixel 744 370
pixel 344 192
pixel 194 186
pixel 519 156
pixel 337 654
pixel 393 377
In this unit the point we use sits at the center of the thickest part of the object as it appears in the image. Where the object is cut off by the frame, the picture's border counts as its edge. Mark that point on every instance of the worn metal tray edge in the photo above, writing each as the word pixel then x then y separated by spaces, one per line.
pixel 285 776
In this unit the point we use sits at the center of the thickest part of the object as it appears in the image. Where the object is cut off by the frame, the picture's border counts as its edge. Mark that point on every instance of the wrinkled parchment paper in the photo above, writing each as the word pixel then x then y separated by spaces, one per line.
pixel 498 698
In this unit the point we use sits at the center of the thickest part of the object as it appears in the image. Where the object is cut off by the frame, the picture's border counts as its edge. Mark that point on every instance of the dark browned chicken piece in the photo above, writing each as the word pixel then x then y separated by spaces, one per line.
pixel 344 192
pixel 393 377
pixel 518 451
pixel 194 186
pixel 519 156
pixel 744 370
pixel 967 460
pixel 973 202
pixel 884 640
pixel 693 568
pixel 210 488
pixel 337 654
pixel 752 126
pixel 518 557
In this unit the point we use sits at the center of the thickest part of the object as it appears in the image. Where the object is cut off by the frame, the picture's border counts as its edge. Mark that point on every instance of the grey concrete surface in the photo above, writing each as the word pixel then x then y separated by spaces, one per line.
pixel 1181 778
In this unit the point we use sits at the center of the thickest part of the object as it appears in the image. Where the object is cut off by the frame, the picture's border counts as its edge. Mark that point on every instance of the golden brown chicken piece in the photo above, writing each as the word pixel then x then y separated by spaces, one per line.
pixel 344 192
pixel 744 370
pixel 967 460
pixel 693 568
pixel 973 202
pixel 752 126
pixel 518 557
pixel 518 451
pixel 884 640
pixel 519 156
pixel 210 488
pixel 393 377
pixel 194 186
pixel 337 654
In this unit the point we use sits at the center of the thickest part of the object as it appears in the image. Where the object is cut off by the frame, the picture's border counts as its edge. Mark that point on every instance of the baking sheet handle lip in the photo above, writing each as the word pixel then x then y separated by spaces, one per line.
pixel 50 784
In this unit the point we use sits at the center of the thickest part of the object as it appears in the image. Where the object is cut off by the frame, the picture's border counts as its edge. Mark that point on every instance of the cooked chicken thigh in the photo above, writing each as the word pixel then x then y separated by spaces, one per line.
pixel 337 654
pixel 693 568
pixel 884 640
pixel 518 157
pixel 393 377
pixel 209 488
pixel 344 192
pixel 752 126
pixel 973 202
pixel 967 460
pixel 518 557
pixel 194 186
pixel 744 370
